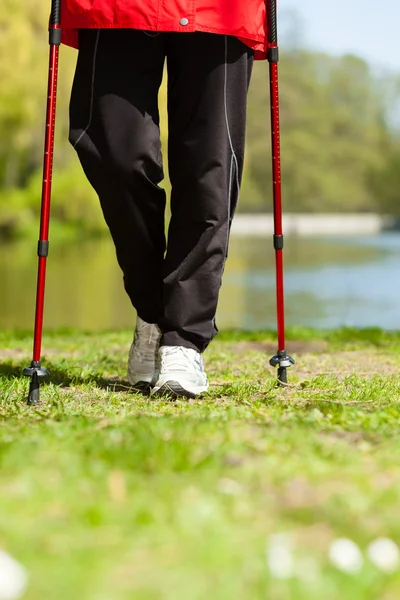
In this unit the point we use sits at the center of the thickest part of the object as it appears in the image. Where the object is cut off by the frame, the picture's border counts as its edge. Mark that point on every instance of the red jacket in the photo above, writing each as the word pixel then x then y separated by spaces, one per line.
pixel 245 19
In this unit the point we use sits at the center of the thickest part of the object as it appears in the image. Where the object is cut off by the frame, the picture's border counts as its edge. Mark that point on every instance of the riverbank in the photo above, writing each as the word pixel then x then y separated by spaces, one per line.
pixel 314 224
pixel 107 494
pixel 259 224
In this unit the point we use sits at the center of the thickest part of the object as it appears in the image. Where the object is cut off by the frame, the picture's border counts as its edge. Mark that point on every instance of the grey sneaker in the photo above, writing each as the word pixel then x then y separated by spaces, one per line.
pixel 181 373
pixel 142 372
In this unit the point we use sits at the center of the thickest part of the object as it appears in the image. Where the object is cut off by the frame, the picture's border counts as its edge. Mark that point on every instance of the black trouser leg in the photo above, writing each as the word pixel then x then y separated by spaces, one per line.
pixel 115 130
pixel 208 78
pixel 114 127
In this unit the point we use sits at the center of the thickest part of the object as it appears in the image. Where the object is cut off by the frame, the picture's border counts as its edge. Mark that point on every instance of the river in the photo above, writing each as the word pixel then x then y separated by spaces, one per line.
pixel 329 283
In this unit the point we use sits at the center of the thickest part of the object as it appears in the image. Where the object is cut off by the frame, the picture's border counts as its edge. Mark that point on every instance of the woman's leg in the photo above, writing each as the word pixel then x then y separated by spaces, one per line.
pixel 208 79
pixel 114 127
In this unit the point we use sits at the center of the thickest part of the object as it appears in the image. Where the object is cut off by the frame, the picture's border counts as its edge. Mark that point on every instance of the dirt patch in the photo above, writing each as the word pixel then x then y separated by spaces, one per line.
pixel 13 353
pixel 351 437
pixel 294 347
pixel 367 363
pixel 18 353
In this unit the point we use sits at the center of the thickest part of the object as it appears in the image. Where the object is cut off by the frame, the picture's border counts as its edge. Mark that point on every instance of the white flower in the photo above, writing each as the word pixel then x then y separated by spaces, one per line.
pixel 384 554
pixel 345 555
pixel 280 556
pixel 13 577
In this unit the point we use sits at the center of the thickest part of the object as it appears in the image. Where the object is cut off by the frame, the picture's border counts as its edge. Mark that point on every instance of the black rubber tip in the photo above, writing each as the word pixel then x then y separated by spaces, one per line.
pixel 34 391
pixel 282 375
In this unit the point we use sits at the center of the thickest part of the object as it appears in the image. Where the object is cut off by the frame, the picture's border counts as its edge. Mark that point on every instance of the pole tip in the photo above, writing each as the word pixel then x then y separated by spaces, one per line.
pixel 282 376
pixel 34 392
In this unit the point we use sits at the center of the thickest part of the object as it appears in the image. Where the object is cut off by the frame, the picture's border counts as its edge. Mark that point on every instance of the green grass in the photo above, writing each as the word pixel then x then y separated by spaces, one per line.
pixel 109 495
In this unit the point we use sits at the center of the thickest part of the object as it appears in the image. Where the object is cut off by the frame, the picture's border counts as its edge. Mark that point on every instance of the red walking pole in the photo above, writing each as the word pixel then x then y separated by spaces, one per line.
pixel 281 359
pixel 36 370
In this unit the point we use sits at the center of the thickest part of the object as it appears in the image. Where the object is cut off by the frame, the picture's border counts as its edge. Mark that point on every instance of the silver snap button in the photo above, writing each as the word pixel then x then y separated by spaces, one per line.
pixel 184 21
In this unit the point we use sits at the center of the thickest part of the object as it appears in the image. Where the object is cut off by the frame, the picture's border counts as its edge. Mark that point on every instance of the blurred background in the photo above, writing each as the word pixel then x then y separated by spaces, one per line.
pixel 340 113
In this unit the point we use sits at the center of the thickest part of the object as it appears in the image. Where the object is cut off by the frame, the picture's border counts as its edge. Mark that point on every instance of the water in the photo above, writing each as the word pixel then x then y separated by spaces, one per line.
pixel 329 283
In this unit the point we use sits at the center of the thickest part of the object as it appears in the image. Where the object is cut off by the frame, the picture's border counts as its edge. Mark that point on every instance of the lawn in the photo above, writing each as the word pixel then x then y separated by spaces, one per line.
pixel 110 495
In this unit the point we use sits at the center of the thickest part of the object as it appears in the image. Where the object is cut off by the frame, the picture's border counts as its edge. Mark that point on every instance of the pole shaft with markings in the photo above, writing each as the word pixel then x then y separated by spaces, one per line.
pixel 281 360
pixel 35 370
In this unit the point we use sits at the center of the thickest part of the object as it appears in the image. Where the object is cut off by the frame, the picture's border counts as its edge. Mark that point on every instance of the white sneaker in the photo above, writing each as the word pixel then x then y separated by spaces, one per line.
pixel 181 373
pixel 142 372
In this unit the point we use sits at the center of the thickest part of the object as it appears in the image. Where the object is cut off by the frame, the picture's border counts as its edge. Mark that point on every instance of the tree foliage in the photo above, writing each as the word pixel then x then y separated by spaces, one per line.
pixel 332 126
pixel 340 149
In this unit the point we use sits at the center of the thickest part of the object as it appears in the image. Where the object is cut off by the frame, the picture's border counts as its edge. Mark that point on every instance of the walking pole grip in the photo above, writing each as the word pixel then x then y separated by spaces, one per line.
pixel 272 22
pixel 55 17
pixel 273 50
pixel 55 23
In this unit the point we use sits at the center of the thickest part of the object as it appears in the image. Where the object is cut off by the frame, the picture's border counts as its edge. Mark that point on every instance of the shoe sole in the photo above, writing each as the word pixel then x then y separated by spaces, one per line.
pixel 174 390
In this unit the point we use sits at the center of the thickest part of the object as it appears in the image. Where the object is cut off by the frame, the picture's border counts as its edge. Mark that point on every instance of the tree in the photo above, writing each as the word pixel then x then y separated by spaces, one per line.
pixel 331 129
pixel 340 147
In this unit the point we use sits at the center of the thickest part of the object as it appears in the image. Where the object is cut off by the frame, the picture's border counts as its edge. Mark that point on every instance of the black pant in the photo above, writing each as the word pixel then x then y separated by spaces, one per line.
pixel 114 127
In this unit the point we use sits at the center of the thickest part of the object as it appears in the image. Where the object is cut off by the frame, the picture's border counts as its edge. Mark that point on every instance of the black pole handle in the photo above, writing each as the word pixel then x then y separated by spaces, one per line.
pixel 55 23
pixel 55 18
pixel 272 21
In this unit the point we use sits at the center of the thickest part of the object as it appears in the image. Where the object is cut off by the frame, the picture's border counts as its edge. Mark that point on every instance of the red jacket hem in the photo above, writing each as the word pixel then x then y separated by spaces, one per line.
pixel 69 35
